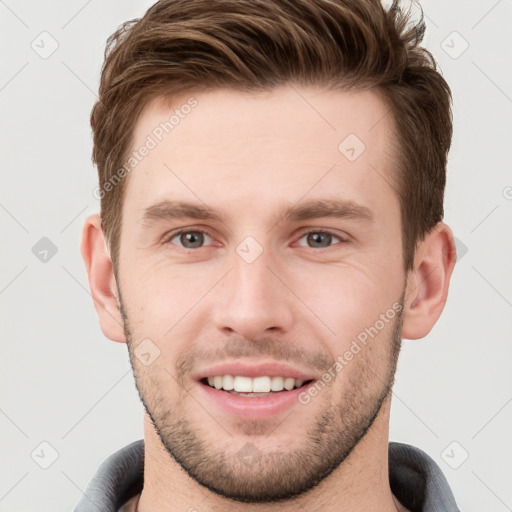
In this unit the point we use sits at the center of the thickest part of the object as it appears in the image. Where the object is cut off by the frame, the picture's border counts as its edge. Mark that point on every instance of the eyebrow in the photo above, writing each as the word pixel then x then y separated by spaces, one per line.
pixel 169 209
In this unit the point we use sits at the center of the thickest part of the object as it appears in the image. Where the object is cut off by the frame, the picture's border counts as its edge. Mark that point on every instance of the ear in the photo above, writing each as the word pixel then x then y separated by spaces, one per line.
pixel 101 279
pixel 427 283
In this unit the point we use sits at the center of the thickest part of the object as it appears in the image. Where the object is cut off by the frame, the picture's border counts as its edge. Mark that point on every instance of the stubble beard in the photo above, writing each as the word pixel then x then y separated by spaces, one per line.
pixel 266 477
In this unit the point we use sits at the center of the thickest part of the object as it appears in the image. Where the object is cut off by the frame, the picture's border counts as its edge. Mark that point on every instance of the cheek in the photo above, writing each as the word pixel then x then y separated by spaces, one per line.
pixel 345 297
pixel 159 384
pixel 160 294
pixel 341 298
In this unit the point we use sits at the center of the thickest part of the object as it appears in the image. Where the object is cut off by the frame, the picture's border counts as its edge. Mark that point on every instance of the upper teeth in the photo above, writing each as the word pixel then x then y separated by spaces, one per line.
pixel 241 383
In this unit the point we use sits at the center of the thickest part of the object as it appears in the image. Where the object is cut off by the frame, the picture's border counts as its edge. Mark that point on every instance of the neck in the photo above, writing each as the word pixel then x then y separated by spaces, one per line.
pixel 360 483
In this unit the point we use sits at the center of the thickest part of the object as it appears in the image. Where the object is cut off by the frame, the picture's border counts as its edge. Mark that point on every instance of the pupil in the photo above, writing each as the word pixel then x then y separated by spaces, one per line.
pixel 193 238
pixel 315 238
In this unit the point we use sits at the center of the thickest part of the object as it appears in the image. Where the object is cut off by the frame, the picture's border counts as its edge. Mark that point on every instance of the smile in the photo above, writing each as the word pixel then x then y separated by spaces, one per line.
pixel 262 386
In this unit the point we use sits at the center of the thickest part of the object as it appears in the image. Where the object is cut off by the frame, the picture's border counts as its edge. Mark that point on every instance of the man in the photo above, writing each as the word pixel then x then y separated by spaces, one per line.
pixel 271 180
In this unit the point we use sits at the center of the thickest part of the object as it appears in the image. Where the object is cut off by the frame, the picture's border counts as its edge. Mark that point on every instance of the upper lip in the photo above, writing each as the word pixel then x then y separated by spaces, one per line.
pixel 268 368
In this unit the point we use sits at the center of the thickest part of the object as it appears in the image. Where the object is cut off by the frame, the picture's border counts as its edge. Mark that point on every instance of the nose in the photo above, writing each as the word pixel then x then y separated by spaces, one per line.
pixel 253 301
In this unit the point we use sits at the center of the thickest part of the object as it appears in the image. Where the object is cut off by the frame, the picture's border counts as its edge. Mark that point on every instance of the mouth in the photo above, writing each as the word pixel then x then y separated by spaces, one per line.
pixel 253 390
pixel 254 387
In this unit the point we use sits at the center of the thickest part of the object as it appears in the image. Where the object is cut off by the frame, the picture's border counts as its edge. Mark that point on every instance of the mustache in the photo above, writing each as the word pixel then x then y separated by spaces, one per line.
pixel 278 350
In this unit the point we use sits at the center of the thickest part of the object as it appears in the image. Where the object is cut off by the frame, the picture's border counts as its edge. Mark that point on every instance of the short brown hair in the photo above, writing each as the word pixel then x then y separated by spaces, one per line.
pixel 251 45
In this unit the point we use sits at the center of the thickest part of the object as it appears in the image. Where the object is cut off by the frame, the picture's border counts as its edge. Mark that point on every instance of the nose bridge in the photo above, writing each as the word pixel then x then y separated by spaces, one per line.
pixel 251 274
pixel 252 300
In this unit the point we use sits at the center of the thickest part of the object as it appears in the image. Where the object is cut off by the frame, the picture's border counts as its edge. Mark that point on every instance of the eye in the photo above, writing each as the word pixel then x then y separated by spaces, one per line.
pixel 320 239
pixel 192 239
pixel 195 239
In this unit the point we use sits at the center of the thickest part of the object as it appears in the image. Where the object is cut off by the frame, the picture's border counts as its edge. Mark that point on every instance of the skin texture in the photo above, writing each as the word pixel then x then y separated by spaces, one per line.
pixel 303 300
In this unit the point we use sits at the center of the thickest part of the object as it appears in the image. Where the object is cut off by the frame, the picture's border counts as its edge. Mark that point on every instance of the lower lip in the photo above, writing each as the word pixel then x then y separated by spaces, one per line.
pixel 253 408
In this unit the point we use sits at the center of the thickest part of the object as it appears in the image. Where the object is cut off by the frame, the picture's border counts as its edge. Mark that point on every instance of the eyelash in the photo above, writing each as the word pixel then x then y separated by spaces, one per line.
pixel 171 236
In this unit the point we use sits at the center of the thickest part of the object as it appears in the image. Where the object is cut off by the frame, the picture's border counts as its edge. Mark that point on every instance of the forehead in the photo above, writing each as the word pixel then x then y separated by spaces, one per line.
pixel 265 147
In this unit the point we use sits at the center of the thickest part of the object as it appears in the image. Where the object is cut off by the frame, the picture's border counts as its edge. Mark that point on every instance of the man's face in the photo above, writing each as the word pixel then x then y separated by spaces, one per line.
pixel 259 295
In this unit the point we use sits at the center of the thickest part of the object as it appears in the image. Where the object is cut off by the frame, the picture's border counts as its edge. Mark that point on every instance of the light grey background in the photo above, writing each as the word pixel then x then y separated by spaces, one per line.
pixel 65 384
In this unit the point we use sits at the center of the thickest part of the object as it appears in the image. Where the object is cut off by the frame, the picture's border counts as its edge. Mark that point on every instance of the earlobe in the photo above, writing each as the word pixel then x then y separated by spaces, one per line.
pixel 101 279
pixel 428 282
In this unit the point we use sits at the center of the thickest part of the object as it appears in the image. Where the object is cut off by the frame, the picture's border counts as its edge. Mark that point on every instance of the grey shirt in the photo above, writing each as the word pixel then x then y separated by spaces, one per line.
pixel 414 477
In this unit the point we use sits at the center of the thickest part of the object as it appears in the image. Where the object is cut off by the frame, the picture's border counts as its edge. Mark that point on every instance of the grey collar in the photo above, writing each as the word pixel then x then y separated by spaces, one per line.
pixel 415 479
